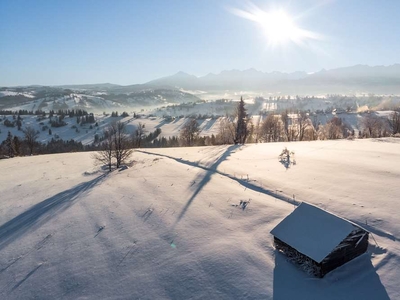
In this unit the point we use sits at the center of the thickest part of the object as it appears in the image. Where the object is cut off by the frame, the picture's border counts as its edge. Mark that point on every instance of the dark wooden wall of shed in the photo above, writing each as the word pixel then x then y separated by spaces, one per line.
pixel 309 265
pixel 354 245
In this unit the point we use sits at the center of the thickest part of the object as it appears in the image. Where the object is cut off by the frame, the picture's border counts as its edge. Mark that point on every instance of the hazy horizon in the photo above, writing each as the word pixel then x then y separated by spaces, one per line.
pixel 189 74
pixel 129 42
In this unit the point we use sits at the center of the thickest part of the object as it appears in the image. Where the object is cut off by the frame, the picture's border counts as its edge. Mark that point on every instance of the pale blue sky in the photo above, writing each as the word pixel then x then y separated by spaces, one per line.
pixel 54 42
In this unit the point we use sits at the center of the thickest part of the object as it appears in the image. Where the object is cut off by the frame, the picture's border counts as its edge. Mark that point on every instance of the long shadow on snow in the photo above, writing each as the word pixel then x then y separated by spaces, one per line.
pixel 262 190
pixel 210 171
pixel 213 169
pixel 376 231
pixel 356 279
pixel 209 124
pixel 42 212
pixel 162 123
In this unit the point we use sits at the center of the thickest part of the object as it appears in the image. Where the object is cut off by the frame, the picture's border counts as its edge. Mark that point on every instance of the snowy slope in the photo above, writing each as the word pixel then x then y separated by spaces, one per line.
pixel 86 135
pixel 169 227
pixel 71 101
pixel 12 93
pixel 169 127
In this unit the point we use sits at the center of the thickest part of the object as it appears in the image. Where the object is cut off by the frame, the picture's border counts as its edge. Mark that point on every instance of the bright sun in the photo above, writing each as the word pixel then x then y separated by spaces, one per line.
pixel 278 26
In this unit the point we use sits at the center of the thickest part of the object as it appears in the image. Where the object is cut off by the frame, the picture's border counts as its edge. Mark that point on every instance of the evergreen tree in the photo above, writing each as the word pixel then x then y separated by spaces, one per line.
pixel 241 125
pixel 17 146
pixel 10 145
pixel 19 121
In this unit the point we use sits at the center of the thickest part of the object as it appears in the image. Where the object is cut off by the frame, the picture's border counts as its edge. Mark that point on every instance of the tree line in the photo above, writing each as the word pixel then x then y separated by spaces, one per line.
pixel 114 145
pixel 28 145
pixel 288 126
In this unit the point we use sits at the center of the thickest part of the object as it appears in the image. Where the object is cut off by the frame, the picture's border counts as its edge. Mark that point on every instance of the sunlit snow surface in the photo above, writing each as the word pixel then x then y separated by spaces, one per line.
pixel 169 226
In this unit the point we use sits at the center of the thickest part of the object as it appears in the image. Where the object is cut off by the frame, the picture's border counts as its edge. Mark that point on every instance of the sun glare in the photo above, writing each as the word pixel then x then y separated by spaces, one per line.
pixel 278 26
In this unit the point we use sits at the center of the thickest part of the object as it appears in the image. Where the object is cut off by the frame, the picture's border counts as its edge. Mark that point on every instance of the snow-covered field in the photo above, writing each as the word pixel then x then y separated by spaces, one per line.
pixel 169 127
pixel 11 93
pixel 87 132
pixel 72 101
pixel 167 227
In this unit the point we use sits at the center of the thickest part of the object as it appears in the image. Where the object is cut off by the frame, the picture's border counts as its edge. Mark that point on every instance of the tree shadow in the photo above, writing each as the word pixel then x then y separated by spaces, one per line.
pixel 285 163
pixel 162 123
pixel 243 182
pixel 209 124
pixel 203 180
pixel 42 212
pixel 200 122
pixel 356 279
pixel 376 230
pixel 386 140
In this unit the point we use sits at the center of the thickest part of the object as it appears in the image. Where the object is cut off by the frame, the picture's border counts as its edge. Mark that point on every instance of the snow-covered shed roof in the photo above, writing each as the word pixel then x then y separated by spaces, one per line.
pixel 313 231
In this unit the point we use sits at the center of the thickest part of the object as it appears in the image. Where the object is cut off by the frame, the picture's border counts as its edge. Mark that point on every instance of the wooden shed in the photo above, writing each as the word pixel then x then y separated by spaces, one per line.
pixel 317 240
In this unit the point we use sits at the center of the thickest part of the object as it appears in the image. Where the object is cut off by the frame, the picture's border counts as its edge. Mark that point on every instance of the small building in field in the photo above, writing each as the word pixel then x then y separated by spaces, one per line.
pixel 317 240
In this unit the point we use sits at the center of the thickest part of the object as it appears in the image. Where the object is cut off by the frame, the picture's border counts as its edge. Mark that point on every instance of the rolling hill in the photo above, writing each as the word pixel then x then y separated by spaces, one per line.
pixel 169 225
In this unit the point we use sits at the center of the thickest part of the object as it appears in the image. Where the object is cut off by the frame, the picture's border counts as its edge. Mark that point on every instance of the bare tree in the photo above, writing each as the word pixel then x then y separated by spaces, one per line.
pixel 374 126
pixel 138 135
pixel 285 120
pixel 394 122
pixel 105 154
pixel 251 131
pixel 295 126
pixel 30 135
pixel 334 129
pixel 190 131
pixel 257 129
pixel 303 123
pixel 314 127
pixel 271 128
pixel 226 134
pixel 329 131
pixel 122 150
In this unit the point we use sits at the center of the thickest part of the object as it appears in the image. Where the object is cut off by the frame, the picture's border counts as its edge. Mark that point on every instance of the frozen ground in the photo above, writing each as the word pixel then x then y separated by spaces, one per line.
pixel 167 227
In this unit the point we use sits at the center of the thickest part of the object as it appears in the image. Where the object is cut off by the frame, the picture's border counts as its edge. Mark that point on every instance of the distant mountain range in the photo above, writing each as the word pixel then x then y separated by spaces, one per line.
pixel 348 80
pixel 359 78
pixel 227 80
